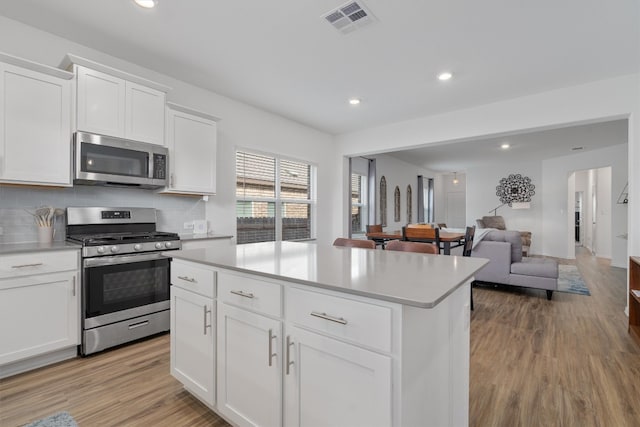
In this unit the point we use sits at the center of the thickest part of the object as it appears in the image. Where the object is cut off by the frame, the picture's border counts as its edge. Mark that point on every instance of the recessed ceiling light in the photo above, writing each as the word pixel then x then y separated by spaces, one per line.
pixel 354 101
pixel 505 146
pixel 147 4
pixel 445 76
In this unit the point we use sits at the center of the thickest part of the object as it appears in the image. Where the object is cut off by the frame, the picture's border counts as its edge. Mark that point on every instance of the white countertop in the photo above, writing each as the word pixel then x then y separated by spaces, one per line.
pixel 14 248
pixel 408 278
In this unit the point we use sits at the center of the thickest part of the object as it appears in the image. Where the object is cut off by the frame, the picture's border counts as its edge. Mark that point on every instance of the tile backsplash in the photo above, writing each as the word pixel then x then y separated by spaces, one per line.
pixel 18 225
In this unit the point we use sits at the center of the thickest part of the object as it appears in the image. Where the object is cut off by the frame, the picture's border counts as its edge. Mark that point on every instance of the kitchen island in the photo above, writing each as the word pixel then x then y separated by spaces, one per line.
pixel 298 334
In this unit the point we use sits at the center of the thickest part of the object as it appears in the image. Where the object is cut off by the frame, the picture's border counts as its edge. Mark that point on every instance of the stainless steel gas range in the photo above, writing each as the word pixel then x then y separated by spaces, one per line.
pixel 125 277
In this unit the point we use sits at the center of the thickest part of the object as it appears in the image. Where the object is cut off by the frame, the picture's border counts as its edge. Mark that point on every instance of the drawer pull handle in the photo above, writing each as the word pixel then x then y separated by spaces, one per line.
pixel 288 362
pixel 271 353
pixel 27 265
pixel 205 320
pixel 137 325
pixel 243 294
pixel 325 316
pixel 188 279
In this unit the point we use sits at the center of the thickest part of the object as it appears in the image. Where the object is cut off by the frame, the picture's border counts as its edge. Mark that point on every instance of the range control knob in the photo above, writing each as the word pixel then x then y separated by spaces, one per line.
pixel 168 244
pixel 159 245
pixel 100 249
pixel 114 249
pixel 137 247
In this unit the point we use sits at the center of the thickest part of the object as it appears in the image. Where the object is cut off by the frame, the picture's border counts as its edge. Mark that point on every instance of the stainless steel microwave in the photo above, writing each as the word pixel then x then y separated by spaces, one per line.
pixel 106 160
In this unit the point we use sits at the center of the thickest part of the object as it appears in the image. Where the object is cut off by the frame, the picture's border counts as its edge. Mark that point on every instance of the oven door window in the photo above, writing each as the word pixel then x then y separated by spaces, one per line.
pixel 114 160
pixel 118 287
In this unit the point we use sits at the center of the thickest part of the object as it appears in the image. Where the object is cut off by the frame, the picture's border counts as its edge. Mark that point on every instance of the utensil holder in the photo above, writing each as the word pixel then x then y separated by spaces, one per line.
pixel 45 234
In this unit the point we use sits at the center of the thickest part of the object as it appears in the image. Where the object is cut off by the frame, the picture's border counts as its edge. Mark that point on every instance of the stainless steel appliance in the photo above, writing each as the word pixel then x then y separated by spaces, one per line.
pixel 125 277
pixel 106 160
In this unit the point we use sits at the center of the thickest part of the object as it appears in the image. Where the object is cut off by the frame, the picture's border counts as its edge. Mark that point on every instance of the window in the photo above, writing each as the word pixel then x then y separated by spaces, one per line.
pixel 359 208
pixel 274 198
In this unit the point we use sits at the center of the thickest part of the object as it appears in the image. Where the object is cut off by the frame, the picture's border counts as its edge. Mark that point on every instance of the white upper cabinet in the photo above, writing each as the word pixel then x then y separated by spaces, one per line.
pixel 112 102
pixel 101 103
pixel 35 123
pixel 192 144
pixel 144 120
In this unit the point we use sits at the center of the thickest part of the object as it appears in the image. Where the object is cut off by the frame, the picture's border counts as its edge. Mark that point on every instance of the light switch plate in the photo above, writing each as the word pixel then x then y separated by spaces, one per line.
pixel 199 226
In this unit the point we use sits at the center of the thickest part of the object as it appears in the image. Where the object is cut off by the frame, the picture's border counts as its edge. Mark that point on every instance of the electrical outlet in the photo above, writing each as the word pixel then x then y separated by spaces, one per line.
pixel 188 225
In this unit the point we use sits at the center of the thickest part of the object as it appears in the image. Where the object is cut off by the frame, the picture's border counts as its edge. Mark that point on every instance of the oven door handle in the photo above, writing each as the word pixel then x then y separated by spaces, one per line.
pixel 122 259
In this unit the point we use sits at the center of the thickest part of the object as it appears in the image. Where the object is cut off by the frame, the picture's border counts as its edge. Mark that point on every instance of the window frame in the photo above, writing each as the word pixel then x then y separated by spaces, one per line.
pixel 278 201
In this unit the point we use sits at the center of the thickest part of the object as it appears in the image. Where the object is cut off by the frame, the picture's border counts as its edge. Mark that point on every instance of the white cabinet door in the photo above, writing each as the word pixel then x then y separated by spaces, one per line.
pixel 39 314
pixel 193 343
pixel 249 367
pixel 112 106
pixel 192 143
pixel 144 119
pixel 35 127
pixel 101 103
pixel 331 383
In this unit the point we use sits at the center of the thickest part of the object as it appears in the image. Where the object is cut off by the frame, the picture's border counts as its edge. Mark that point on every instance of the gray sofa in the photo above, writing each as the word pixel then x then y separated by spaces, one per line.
pixel 507 265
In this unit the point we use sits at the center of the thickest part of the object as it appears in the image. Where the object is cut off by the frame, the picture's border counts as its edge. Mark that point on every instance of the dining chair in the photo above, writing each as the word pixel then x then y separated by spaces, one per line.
pixel 442 225
pixel 469 233
pixel 354 243
pixel 422 234
pixel 425 248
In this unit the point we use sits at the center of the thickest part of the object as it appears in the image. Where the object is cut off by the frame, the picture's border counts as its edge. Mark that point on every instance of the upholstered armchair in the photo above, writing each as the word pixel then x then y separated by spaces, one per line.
pixel 497 222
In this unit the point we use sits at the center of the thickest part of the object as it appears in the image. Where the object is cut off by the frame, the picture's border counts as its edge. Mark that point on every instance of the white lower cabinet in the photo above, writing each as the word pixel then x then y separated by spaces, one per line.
pixel 39 309
pixel 249 367
pixel 40 314
pixel 193 342
pixel 332 383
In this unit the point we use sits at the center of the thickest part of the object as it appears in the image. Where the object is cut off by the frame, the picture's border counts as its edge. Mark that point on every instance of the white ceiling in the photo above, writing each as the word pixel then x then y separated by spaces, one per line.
pixel 283 57
pixel 524 147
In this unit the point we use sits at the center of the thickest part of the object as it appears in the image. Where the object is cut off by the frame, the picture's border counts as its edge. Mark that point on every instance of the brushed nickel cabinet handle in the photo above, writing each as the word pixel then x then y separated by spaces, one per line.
pixel 188 279
pixel 243 294
pixel 73 291
pixel 288 360
pixel 27 265
pixel 325 316
pixel 205 319
pixel 271 353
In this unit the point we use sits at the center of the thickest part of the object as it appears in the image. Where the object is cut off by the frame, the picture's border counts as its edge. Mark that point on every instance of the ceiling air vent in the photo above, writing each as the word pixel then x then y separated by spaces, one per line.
pixel 349 17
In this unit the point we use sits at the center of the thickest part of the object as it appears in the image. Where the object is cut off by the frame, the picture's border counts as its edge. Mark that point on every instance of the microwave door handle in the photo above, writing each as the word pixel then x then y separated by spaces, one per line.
pixel 122 259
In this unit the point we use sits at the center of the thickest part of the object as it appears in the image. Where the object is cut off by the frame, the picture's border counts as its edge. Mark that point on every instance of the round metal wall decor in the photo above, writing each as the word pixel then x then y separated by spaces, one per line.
pixel 515 188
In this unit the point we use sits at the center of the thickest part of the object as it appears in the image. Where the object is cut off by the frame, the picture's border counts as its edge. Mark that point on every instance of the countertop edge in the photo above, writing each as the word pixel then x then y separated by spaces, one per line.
pixel 27 247
pixel 197 237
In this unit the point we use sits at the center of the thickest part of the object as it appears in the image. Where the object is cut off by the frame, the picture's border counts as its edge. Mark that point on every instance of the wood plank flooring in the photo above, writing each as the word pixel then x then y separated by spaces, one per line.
pixel 565 362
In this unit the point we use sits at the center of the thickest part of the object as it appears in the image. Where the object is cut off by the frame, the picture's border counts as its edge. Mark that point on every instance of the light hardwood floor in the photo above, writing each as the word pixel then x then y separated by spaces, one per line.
pixel 565 362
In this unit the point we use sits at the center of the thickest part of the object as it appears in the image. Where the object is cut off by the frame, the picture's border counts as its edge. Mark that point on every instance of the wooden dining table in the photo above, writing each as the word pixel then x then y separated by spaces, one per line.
pixel 448 239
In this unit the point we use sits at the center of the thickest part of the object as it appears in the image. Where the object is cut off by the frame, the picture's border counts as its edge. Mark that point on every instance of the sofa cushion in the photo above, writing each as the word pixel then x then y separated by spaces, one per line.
pixel 496 222
pixel 509 236
pixel 536 267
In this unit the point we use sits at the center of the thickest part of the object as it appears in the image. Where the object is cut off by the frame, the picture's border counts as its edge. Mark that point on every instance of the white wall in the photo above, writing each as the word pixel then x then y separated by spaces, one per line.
pixel 482 199
pixel 241 125
pixel 401 174
pixel 604 205
pixel 445 190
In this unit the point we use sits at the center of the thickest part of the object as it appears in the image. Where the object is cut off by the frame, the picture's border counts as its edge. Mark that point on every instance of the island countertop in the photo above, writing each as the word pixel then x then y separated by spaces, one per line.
pixel 407 278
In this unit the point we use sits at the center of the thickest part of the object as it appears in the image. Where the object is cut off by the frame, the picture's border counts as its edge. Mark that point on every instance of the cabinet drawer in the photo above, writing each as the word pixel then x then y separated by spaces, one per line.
pixel 360 322
pixel 193 278
pixel 258 295
pixel 26 264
